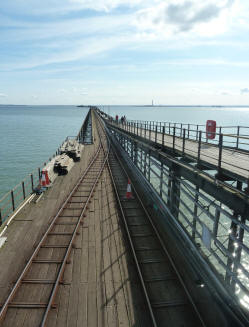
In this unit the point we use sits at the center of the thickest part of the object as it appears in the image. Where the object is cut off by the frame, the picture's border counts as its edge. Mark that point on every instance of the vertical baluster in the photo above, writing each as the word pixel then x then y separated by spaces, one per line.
pixel 163 135
pixel 12 200
pixel 220 152
pixel 237 141
pixel 183 141
pixel 199 148
pixel 23 191
pixel 174 137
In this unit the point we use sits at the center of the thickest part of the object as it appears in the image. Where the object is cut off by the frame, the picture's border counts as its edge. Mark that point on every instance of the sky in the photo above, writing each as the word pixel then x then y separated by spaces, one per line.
pixel 181 52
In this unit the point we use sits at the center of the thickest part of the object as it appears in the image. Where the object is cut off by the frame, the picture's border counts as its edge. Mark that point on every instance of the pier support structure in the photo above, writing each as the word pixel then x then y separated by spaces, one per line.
pixel 209 214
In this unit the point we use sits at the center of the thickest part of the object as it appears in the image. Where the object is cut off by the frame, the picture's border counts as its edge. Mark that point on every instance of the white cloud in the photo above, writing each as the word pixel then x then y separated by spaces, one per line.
pixel 174 17
pixel 2 95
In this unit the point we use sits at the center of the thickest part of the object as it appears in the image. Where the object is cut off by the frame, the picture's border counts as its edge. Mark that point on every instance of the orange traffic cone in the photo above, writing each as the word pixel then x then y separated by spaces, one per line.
pixel 128 192
pixel 46 178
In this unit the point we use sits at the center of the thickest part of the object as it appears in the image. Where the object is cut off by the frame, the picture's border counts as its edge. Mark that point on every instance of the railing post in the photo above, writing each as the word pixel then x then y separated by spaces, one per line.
pixel 197 132
pixel 220 152
pixel 141 129
pixel 169 128
pixel 195 211
pixel 181 131
pixel 199 148
pixel 183 141
pixel 150 132
pixel 156 135
pixel 23 191
pixel 137 128
pixel 237 141
pixel 12 200
pixel 174 136
pixel 161 181
pixel 163 135
pixel 32 181
pixel 188 130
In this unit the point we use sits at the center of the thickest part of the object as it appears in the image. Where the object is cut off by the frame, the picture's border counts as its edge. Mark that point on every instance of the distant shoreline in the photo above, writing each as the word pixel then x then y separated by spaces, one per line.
pixel 125 105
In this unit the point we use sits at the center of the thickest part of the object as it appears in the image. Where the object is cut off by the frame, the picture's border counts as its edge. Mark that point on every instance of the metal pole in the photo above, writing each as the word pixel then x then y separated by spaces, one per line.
pixel 145 162
pixel 174 136
pixel 183 141
pixel 149 169
pixel 161 180
pixel 197 132
pixel 220 152
pixel 195 211
pixel 237 141
pixel 199 148
pixel 188 130
pixel 150 132
pixel 13 200
pixel 163 135
pixel 156 135
pixel 23 191
pixel 32 181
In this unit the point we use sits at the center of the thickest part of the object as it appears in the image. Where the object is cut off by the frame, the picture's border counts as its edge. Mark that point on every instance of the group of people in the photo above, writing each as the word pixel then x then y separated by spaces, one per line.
pixel 123 119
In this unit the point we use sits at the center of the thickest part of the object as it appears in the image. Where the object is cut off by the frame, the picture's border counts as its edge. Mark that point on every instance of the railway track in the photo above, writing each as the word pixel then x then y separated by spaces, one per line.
pixel 34 293
pixel 168 300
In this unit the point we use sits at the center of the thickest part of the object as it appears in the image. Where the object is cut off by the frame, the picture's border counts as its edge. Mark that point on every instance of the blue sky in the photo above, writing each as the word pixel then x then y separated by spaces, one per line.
pixel 124 52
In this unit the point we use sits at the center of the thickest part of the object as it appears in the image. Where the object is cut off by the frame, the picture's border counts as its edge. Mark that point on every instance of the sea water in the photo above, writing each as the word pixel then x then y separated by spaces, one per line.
pixel 31 134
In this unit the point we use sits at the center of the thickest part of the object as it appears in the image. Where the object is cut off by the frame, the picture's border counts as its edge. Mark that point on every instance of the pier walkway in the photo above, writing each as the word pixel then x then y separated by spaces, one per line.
pixel 89 254
pixel 99 287
pixel 231 163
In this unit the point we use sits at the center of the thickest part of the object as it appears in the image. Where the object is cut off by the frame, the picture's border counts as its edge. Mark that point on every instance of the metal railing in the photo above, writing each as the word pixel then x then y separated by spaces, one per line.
pixel 234 137
pixel 220 234
pixel 225 151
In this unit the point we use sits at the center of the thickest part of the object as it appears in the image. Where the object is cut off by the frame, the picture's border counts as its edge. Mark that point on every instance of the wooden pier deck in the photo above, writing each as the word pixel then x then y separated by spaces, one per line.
pixel 100 285
pixel 120 271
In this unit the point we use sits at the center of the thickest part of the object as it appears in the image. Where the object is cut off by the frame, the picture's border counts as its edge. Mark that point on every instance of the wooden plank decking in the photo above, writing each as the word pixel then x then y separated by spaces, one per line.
pixel 100 286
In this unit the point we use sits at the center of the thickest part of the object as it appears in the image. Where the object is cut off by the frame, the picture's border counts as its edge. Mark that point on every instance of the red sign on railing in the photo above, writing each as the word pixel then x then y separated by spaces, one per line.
pixel 210 129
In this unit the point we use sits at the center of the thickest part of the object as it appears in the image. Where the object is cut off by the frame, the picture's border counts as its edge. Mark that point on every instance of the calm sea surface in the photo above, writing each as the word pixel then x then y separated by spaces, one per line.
pixel 31 134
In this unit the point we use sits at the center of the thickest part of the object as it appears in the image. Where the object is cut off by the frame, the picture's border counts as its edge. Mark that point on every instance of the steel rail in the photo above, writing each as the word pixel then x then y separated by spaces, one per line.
pixel 133 249
pixel 62 267
pixel 51 225
pixel 160 241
